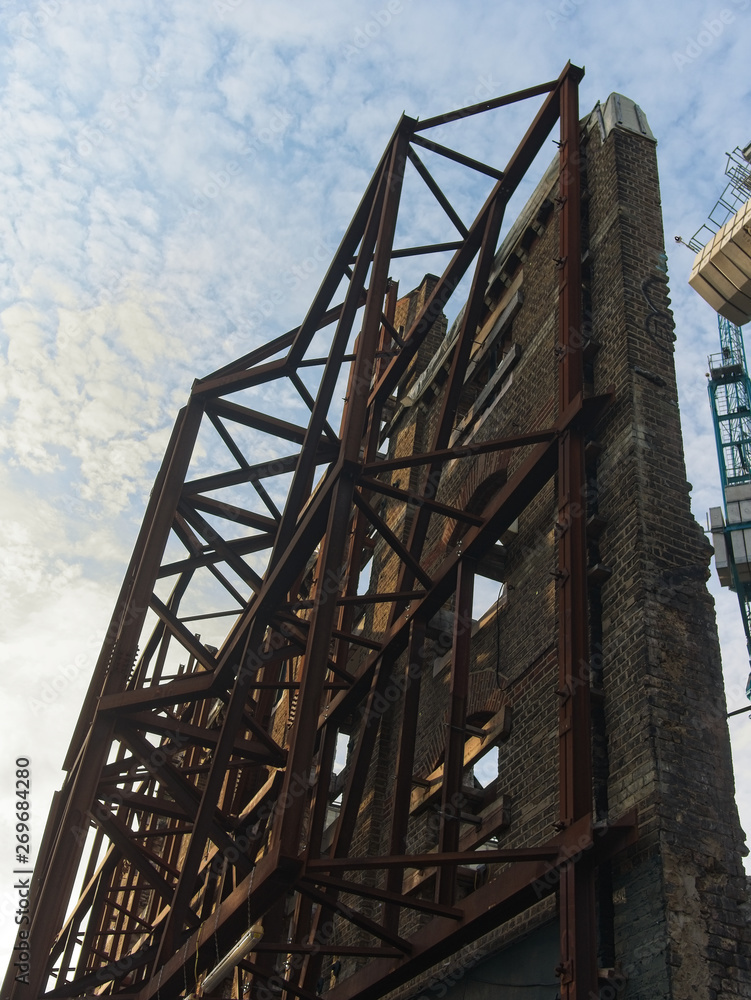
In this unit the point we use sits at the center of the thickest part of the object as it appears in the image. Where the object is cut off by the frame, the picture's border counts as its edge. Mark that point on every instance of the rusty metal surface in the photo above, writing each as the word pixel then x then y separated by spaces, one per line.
pixel 204 821
pixel 578 968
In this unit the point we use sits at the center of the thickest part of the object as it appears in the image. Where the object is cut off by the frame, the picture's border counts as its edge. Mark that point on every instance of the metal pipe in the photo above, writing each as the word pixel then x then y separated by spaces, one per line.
pixel 241 950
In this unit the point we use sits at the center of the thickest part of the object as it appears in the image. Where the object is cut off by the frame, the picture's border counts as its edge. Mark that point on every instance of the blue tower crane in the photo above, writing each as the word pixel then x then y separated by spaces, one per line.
pixel 730 399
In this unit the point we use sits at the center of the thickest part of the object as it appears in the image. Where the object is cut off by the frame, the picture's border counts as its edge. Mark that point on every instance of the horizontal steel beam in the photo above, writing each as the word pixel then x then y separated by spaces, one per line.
pixel 511 892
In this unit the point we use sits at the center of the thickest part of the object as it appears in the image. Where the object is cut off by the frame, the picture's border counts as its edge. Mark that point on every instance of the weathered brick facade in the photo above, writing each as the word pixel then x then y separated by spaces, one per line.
pixel 671 910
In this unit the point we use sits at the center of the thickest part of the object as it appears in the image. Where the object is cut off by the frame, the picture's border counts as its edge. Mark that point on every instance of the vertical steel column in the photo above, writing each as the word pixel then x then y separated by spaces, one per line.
pixel 359 417
pixel 578 937
pixel 354 417
pixel 405 761
pixel 320 798
pixel 369 447
pixel 352 797
pixel 334 545
pixel 303 916
pixel 451 796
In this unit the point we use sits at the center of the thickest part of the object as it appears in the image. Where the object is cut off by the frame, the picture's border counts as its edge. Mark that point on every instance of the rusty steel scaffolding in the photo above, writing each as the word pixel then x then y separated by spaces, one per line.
pixel 202 823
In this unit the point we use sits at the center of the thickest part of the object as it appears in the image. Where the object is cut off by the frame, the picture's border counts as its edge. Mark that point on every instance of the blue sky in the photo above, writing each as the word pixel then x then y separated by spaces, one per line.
pixel 174 178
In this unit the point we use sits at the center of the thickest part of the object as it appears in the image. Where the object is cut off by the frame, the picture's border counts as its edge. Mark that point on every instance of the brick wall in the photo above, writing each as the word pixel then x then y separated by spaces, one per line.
pixel 671 910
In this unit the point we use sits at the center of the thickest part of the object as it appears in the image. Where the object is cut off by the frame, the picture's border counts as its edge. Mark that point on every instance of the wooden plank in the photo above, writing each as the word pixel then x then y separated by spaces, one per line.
pixel 494 818
pixel 497 729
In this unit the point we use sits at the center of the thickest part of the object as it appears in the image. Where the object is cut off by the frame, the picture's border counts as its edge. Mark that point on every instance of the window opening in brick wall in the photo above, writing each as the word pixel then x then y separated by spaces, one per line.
pixel 485 770
pixel 341 754
pixel 489 599
pixel 363 587
pixel 487 593
pixel 338 779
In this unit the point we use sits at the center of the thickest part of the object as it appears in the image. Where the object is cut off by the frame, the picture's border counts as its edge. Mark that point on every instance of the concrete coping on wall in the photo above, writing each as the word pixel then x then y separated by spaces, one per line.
pixel 621 112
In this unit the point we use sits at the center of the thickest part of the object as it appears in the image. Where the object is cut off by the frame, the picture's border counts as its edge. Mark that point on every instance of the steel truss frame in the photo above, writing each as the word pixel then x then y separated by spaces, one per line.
pixel 204 824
